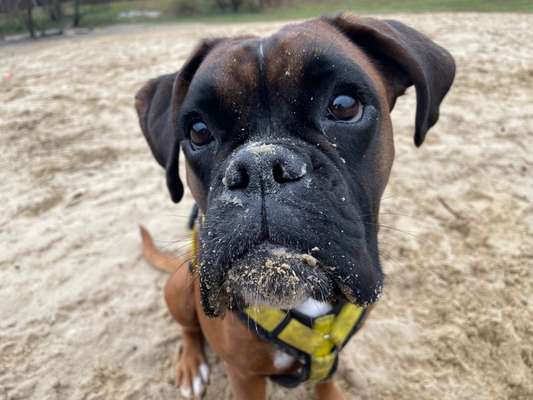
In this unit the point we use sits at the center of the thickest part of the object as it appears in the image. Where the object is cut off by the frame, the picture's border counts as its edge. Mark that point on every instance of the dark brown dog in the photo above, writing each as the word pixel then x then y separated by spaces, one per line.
pixel 288 146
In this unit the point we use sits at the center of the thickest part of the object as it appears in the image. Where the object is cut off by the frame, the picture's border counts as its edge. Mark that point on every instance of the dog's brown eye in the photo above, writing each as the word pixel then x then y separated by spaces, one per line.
pixel 345 108
pixel 200 134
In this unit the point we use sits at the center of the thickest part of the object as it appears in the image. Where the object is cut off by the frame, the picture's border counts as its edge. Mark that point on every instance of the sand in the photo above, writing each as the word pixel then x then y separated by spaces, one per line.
pixel 82 316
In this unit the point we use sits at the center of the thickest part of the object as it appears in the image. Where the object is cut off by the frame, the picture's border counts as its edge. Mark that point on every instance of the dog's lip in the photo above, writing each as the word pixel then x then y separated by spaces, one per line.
pixel 277 276
pixel 319 279
pixel 266 251
pixel 281 251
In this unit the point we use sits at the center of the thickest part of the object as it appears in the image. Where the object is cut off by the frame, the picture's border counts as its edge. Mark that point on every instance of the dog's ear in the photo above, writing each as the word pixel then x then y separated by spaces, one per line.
pixel 406 57
pixel 157 104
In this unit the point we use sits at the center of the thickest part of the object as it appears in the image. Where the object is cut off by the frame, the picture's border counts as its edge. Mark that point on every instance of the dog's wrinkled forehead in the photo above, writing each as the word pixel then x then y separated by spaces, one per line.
pixel 310 50
pixel 237 73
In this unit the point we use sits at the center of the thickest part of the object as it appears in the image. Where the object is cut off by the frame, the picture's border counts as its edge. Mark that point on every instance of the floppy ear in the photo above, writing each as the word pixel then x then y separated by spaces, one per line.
pixel 157 104
pixel 406 57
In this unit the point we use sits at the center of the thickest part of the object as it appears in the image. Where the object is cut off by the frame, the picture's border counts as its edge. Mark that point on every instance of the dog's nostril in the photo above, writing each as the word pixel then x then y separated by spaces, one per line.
pixel 284 174
pixel 279 174
pixel 244 178
pixel 237 179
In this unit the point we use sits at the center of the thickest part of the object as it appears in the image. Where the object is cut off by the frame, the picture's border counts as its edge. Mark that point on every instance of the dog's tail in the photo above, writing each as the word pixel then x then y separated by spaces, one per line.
pixel 155 257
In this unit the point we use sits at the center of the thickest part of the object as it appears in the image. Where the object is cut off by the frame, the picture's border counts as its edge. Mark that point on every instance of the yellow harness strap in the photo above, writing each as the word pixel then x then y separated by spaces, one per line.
pixel 195 241
pixel 319 340
pixel 316 343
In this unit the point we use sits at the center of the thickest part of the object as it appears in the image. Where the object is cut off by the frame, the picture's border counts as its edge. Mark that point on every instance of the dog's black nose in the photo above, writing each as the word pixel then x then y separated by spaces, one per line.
pixel 266 164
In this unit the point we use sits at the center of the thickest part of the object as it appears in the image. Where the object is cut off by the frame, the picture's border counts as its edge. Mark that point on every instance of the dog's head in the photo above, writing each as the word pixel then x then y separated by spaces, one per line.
pixel 288 146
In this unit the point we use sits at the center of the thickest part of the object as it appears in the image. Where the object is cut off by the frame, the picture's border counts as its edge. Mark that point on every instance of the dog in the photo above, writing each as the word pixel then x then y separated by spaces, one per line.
pixel 288 148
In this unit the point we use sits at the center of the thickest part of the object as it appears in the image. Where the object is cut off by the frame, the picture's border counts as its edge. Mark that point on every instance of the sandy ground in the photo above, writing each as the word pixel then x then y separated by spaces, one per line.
pixel 82 316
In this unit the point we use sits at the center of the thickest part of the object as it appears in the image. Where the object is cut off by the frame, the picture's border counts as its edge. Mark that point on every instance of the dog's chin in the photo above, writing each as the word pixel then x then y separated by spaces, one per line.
pixel 278 277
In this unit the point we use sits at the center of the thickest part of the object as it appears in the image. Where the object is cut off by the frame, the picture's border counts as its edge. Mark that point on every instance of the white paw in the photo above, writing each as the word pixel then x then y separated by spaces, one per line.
pixel 204 372
pixel 199 383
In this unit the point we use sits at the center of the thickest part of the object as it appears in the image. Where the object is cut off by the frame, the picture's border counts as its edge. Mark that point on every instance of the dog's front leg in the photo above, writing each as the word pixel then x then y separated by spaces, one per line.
pixel 192 371
pixel 328 391
pixel 246 386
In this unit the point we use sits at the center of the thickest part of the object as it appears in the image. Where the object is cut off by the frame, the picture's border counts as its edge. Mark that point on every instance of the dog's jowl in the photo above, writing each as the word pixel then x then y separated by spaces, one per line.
pixel 288 148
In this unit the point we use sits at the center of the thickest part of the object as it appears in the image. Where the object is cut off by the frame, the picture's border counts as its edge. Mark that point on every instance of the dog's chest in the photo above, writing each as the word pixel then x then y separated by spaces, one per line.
pixel 311 308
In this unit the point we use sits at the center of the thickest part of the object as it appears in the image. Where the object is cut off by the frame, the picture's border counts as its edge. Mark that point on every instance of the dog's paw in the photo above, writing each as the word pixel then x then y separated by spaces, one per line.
pixel 193 386
pixel 192 376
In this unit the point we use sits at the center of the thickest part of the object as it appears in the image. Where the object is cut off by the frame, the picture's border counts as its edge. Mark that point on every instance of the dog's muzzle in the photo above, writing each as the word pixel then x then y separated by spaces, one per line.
pixel 278 277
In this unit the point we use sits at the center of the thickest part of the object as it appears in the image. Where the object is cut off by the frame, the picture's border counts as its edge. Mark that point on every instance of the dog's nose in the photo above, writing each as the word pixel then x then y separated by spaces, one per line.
pixel 266 164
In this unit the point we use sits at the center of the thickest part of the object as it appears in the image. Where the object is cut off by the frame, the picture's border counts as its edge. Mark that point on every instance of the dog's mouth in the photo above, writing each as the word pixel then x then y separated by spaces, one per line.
pixel 277 276
pixel 291 256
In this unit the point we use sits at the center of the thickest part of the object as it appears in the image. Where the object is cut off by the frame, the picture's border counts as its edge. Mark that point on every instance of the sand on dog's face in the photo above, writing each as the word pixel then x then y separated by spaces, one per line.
pixel 82 316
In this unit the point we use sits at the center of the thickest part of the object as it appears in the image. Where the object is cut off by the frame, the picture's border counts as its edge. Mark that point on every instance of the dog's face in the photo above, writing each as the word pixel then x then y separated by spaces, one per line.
pixel 288 146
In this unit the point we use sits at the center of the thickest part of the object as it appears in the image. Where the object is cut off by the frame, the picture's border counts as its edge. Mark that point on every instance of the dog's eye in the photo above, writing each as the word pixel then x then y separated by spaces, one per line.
pixel 200 134
pixel 345 108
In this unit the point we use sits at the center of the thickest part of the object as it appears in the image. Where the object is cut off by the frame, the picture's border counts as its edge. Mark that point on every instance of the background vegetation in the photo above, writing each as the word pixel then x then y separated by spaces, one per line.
pixel 45 17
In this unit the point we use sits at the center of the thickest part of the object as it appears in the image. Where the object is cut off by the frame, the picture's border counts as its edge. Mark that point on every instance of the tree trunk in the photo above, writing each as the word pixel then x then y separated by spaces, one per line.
pixel 55 11
pixel 221 5
pixel 29 20
pixel 236 5
pixel 76 21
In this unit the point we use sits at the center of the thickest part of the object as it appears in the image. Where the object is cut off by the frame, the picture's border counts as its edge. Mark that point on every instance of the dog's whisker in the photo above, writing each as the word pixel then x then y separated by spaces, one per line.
pixel 184 262
pixel 176 249
pixel 173 214
pixel 171 247
pixel 173 240
pixel 392 228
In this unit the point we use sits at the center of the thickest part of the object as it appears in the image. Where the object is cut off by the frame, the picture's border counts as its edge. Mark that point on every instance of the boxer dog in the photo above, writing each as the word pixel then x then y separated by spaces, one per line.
pixel 288 147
